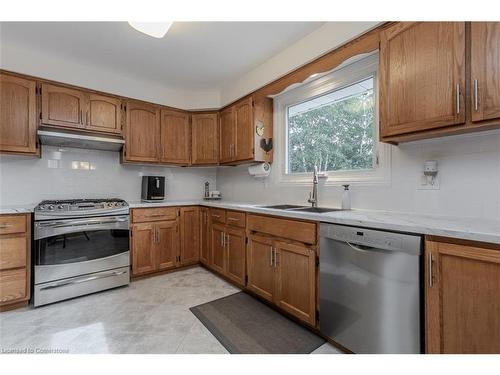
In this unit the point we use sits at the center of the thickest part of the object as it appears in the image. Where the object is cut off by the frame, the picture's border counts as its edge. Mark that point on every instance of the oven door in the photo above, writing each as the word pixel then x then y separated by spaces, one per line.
pixel 73 247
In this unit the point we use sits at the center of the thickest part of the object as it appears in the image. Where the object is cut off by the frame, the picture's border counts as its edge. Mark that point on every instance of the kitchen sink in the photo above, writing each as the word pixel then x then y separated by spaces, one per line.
pixel 292 207
pixel 318 210
pixel 284 207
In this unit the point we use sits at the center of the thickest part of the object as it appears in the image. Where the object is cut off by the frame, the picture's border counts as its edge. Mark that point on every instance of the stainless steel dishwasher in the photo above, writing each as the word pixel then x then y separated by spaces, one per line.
pixel 370 289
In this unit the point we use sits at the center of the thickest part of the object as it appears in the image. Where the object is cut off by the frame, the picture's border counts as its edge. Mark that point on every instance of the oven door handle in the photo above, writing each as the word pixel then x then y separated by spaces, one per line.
pixel 84 279
pixel 72 223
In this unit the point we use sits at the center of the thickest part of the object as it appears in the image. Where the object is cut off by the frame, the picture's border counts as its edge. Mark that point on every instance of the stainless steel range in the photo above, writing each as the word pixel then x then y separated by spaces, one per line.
pixel 81 247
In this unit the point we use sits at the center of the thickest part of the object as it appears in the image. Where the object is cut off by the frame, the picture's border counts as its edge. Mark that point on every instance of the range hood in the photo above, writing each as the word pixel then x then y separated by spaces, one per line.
pixel 78 140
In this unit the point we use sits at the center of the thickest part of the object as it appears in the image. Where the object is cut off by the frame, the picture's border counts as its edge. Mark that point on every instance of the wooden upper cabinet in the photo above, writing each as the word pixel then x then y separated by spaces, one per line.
pixel 422 76
pixel 296 280
pixel 243 113
pixel 63 107
pixel 17 115
pixel 103 114
pixel 462 297
pixel 485 71
pixel 260 268
pixel 166 245
pixel 141 133
pixel 175 137
pixel 190 235
pixel 227 135
pixel 205 138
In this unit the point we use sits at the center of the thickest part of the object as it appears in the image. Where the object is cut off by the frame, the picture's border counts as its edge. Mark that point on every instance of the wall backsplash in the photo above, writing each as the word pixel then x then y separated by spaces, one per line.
pixel 78 173
pixel 469 178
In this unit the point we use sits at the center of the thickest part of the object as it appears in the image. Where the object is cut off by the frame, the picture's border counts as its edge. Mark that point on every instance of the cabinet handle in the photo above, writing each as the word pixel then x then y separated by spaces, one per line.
pixel 233 219
pixel 271 254
pixel 222 238
pixel 3 226
pixel 275 258
pixel 81 116
pixel 458 97
pixel 476 102
pixel 430 270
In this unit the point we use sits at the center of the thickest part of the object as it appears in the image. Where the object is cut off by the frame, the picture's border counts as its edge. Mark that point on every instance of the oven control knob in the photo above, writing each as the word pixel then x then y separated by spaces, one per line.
pixel 60 207
pixel 51 207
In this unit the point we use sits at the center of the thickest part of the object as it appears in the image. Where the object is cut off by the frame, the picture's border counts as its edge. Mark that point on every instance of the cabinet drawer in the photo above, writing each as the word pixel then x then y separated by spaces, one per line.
pixel 289 229
pixel 218 215
pixel 236 218
pixel 12 251
pixel 12 224
pixel 12 285
pixel 140 215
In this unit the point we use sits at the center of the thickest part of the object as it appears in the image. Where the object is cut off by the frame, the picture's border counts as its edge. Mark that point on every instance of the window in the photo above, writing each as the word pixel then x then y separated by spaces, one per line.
pixel 332 123
pixel 334 131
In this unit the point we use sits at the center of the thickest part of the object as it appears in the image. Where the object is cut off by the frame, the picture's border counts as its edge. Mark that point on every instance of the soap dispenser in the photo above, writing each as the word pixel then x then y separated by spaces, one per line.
pixel 346 198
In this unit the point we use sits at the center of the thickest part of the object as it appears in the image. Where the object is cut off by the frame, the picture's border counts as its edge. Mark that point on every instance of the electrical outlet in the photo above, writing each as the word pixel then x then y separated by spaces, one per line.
pixel 427 183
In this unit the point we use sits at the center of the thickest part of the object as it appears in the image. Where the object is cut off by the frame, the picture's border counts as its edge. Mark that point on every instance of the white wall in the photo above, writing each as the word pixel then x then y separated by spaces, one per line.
pixel 326 38
pixel 26 180
pixel 469 174
pixel 35 62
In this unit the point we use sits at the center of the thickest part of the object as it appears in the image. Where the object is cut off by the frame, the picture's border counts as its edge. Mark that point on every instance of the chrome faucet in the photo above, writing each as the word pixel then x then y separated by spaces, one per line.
pixel 313 196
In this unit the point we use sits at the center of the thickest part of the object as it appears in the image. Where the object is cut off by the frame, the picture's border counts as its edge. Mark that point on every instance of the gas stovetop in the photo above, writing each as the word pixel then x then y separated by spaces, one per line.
pixel 69 208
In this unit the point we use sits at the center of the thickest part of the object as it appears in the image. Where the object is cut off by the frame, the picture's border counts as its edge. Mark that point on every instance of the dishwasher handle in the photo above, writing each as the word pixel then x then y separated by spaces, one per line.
pixel 367 249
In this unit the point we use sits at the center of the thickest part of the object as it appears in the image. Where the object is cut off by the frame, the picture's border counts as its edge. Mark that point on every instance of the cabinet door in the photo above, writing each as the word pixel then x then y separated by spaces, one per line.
pixel 296 280
pixel 422 76
pixel 63 107
pixel 190 235
pixel 142 133
pixel 143 252
pixel 175 137
pixel 462 298
pixel 485 74
pixel 243 150
pixel 260 266
pixel 204 237
pixel 205 138
pixel 166 244
pixel 235 255
pixel 17 115
pixel 227 135
pixel 218 257
pixel 103 114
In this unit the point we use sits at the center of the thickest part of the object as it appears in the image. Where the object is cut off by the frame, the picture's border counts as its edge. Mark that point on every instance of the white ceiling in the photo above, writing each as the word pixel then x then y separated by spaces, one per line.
pixel 193 55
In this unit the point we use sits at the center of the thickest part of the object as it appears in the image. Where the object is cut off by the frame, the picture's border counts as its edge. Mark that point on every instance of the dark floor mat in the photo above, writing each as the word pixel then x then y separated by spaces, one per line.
pixel 244 325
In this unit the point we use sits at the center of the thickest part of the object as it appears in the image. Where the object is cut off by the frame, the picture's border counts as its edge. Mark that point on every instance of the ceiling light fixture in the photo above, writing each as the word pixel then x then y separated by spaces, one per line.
pixel 154 29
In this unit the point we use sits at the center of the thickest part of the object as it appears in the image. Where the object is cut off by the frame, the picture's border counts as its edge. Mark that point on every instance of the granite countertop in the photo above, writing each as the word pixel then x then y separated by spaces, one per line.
pixel 475 229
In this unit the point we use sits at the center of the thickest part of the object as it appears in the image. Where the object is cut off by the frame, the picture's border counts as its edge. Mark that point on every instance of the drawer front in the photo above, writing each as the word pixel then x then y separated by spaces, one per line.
pixel 141 215
pixel 218 215
pixel 12 251
pixel 12 224
pixel 285 228
pixel 12 285
pixel 235 218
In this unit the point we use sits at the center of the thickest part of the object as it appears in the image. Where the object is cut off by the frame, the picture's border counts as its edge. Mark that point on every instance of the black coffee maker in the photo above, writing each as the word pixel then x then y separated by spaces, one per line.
pixel 153 188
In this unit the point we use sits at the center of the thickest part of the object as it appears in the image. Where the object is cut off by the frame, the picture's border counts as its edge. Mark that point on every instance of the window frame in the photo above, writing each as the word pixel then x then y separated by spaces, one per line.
pixel 343 76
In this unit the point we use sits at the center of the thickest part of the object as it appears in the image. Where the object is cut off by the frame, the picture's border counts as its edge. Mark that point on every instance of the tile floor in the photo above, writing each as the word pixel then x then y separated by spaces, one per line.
pixel 149 316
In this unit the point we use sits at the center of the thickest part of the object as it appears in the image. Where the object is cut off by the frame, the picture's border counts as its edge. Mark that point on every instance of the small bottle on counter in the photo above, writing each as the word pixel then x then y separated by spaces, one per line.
pixel 346 198
pixel 207 190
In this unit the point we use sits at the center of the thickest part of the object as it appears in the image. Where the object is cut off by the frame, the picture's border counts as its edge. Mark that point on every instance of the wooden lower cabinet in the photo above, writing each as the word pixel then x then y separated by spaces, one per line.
pixel 260 266
pixel 285 274
pixel 235 244
pixel 167 244
pixel 217 234
pixel 143 248
pixel 462 296
pixel 205 253
pixel 15 241
pixel 296 280
pixel 190 235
